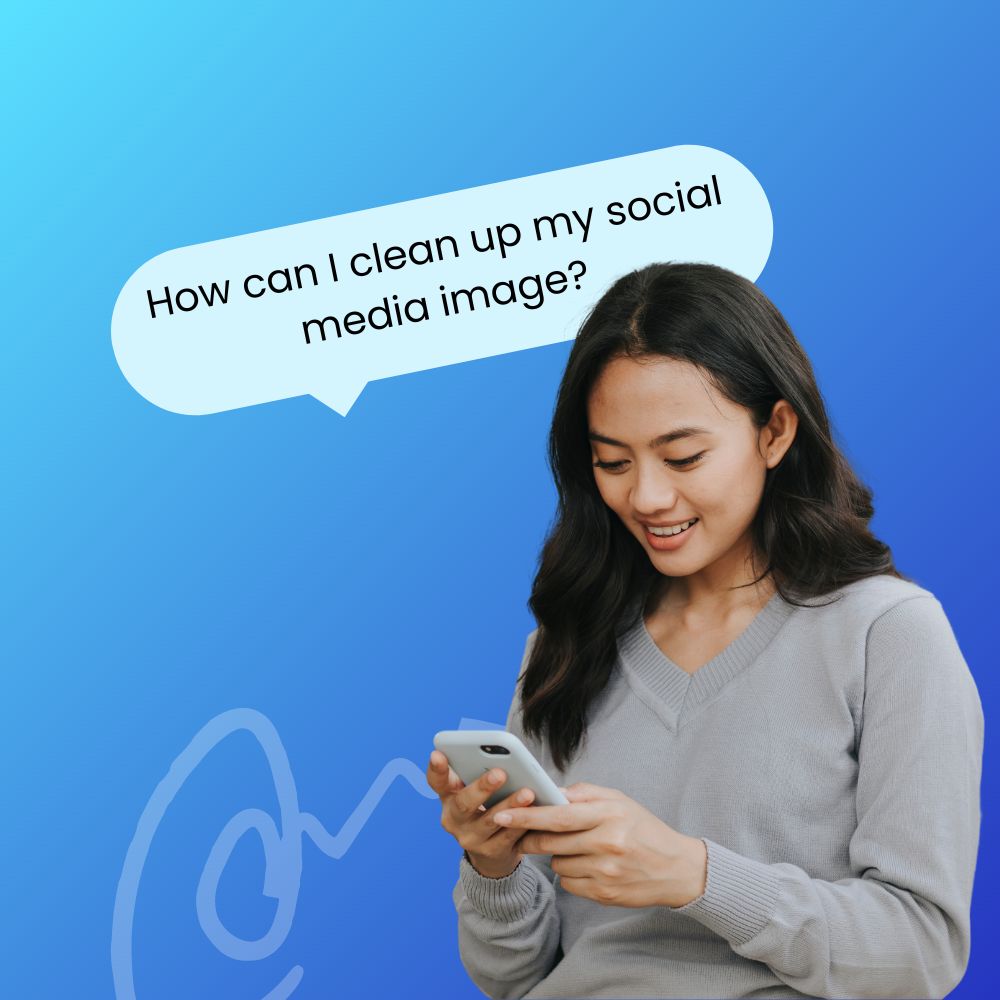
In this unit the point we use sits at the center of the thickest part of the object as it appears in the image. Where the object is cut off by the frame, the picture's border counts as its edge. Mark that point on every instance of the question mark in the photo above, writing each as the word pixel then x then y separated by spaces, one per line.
pixel 583 270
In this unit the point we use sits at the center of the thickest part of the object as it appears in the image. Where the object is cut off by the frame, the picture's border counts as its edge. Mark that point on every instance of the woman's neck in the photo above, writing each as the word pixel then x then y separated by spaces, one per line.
pixel 674 597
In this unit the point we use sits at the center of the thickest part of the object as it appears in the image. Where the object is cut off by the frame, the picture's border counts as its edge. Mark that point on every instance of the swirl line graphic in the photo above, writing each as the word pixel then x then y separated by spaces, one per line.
pixel 282 849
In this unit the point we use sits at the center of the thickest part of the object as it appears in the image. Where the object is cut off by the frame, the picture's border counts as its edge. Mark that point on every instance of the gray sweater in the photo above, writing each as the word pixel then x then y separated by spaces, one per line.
pixel 830 759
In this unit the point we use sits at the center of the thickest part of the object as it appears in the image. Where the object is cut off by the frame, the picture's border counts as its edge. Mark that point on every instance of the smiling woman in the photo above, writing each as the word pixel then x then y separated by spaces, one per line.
pixel 707 475
pixel 770 740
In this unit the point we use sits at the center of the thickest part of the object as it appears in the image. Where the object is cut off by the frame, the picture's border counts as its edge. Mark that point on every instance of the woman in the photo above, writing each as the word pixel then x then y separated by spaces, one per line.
pixel 770 739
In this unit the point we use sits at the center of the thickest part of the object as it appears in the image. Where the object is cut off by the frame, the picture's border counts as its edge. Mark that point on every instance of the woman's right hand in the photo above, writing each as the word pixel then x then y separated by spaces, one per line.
pixel 492 848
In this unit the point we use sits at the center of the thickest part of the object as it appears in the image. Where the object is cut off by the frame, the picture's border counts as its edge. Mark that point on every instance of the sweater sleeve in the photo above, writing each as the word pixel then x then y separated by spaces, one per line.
pixel 901 928
pixel 508 928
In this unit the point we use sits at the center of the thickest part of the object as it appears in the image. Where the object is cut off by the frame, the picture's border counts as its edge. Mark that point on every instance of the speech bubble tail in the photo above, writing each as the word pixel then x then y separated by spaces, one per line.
pixel 339 397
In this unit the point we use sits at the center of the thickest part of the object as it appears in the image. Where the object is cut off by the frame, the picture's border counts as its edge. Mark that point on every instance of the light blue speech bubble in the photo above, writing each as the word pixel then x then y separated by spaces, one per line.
pixel 323 308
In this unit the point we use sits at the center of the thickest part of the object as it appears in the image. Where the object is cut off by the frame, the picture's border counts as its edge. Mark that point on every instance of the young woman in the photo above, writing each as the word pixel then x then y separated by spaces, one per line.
pixel 771 742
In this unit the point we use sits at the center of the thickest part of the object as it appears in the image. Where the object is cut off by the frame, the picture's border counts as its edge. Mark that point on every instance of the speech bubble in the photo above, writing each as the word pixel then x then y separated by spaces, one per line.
pixel 323 308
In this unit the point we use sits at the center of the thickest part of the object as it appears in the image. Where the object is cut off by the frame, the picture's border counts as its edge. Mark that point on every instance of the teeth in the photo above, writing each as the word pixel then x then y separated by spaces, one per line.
pixel 676 530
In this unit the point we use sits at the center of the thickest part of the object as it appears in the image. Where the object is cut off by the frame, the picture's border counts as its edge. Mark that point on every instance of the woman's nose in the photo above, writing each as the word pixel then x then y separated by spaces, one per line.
pixel 652 490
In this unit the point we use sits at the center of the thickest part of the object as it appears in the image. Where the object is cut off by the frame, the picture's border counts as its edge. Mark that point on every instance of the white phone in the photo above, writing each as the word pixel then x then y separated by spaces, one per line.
pixel 473 752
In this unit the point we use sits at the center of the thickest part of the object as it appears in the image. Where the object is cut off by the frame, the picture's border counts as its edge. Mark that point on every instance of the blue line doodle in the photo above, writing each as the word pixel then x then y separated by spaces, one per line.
pixel 282 851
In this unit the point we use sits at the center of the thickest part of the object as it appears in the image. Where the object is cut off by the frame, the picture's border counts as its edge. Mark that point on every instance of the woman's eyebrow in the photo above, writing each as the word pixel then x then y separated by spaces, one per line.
pixel 677 432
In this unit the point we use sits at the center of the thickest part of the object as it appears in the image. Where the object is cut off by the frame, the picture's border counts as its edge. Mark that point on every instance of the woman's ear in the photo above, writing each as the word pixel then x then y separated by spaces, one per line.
pixel 779 432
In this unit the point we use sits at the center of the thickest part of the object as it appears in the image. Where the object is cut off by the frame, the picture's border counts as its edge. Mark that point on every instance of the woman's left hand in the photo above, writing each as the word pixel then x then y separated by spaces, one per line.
pixel 607 847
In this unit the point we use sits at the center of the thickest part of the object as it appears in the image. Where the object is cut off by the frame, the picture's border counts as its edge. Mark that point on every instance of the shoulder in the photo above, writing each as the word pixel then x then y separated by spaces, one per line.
pixel 861 628
pixel 857 606
pixel 916 676
pixel 910 648
pixel 882 592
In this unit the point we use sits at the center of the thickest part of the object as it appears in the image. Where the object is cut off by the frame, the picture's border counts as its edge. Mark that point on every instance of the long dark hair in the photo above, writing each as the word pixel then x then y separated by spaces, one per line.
pixel 811 525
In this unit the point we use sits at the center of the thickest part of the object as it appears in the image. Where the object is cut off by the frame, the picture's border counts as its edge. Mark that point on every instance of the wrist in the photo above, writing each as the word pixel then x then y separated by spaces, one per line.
pixel 485 870
pixel 694 865
pixel 699 860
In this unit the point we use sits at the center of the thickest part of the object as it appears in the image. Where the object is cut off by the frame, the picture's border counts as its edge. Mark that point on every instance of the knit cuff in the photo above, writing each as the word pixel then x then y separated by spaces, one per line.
pixel 504 899
pixel 740 895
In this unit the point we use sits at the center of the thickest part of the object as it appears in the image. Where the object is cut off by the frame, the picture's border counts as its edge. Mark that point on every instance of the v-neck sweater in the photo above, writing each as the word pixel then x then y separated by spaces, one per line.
pixel 675 694
pixel 830 760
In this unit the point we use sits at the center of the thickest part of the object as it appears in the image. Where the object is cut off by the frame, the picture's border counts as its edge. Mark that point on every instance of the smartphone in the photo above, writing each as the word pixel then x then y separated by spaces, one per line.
pixel 473 752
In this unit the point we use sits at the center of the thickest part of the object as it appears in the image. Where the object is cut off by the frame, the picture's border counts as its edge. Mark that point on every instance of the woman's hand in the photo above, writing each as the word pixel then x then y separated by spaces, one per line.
pixel 491 848
pixel 607 847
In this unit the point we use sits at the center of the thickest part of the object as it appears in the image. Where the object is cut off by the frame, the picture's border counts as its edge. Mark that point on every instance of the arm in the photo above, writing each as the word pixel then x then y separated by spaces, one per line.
pixel 508 928
pixel 902 928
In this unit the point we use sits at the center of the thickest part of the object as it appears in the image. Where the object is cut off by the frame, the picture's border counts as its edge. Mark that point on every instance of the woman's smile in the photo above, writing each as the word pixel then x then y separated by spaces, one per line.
pixel 669 542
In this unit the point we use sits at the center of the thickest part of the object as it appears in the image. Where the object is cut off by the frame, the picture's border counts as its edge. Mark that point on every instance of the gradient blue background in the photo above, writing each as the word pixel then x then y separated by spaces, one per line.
pixel 362 581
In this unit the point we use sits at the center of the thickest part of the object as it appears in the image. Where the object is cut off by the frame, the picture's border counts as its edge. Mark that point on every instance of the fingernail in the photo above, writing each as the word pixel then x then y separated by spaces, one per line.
pixel 523 796
pixel 502 817
pixel 494 777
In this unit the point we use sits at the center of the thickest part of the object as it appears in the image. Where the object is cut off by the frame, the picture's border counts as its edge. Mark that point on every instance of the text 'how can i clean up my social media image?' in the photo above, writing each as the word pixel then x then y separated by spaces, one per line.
pixel 324 307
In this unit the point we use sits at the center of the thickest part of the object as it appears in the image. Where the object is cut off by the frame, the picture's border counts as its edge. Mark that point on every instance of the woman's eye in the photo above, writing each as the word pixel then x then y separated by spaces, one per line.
pixel 679 463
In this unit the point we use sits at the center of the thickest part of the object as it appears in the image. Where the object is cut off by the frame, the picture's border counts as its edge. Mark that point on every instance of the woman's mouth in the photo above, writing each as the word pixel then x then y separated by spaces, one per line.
pixel 668 539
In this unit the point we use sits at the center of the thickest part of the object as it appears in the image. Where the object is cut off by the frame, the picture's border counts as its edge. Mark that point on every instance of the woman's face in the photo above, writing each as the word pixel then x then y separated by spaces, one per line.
pixel 668 448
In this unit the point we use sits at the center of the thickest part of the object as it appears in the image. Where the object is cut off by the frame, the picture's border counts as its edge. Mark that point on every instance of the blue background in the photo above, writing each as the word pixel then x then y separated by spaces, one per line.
pixel 362 581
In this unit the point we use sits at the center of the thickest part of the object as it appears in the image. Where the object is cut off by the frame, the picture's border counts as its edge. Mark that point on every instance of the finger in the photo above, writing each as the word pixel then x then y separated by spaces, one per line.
pixel 481 834
pixel 499 834
pixel 521 797
pixel 584 791
pixel 555 844
pixel 575 816
pixel 580 866
pixel 584 887
pixel 441 777
pixel 437 772
pixel 468 800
